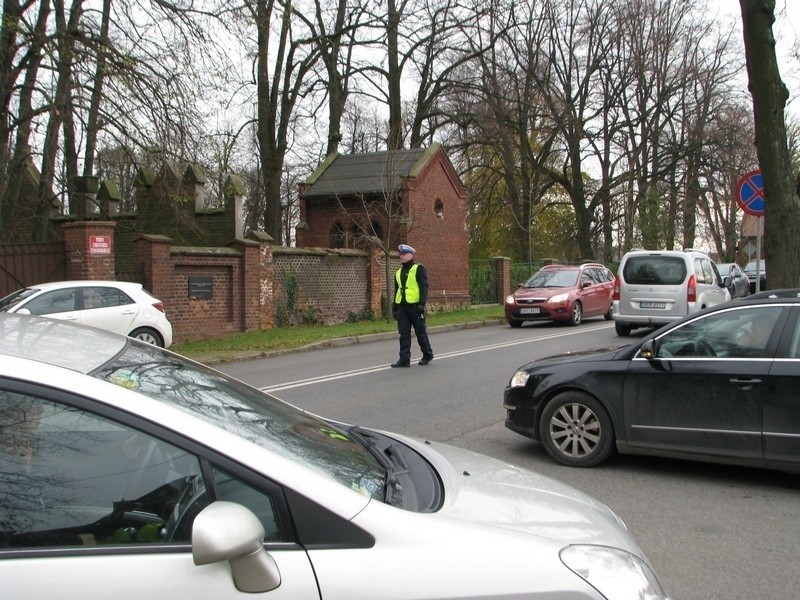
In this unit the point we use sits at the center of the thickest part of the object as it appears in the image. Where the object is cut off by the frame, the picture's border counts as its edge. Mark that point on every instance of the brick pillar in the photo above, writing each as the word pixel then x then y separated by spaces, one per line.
pixel 502 274
pixel 151 255
pixel 250 285
pixel 89 247
pixel 266 280
pixel 376 261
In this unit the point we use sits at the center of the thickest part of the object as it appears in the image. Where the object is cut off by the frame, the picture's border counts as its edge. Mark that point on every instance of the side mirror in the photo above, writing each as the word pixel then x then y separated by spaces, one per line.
pixel 23 311
pixel 726 281
pixel 585 284
pixel 520 284
pixel 648 350
pixel 229 531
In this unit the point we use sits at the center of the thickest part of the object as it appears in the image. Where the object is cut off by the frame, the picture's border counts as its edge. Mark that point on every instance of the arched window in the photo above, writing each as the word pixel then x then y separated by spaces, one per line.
pixel 377 230
pixel 438 208
pixel 355 237
pixel 337 236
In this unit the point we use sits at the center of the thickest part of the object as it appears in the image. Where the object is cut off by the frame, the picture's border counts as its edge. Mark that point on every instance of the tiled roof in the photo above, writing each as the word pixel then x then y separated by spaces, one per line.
pixel 372 173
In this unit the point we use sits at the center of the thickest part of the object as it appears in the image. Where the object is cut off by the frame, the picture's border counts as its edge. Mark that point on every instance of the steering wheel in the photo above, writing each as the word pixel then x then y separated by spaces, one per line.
pixel 704 348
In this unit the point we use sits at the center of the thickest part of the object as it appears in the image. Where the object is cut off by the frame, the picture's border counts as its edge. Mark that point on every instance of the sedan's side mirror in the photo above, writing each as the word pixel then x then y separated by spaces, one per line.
pixel 23 311
pixel 229 531
pixel 648 350
pixel 726 281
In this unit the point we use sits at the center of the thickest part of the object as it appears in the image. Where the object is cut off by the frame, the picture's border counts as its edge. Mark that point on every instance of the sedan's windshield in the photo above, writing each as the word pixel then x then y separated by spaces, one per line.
pixel 15 298
pixel 257 417
pixel 754 266
pixel 560 278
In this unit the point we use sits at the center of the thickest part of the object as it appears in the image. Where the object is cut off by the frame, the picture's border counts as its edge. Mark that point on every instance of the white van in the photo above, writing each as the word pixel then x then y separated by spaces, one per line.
pixel 653 288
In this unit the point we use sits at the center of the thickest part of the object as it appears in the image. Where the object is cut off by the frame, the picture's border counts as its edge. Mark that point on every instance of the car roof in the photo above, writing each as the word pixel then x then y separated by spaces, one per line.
pixel 640 252
pixel 84 283
pixel 58 342
pixel 570 267
pixel 782 294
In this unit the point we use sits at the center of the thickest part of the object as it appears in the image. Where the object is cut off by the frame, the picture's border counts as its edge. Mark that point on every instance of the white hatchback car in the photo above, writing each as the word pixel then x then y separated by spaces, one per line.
pixel 131 472
pixel 119 306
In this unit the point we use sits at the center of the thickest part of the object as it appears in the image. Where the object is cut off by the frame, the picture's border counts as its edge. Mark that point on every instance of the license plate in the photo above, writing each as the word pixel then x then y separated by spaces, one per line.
pixel 652 305
pixel 530 311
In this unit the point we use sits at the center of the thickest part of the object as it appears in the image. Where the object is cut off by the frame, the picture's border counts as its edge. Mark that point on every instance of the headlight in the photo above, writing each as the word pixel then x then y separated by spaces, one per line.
pixel 510 299
pixel 519 379
pixel 613 572
pixel 558 298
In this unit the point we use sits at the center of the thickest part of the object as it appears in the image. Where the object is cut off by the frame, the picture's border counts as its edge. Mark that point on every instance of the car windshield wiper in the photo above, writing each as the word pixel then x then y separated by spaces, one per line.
pixel 390 459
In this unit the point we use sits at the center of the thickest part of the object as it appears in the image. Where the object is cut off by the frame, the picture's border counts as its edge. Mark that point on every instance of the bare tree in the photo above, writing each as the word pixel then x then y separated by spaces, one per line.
pixel 282 65
pixel 507 133
pixel 727 154
pixel 580 95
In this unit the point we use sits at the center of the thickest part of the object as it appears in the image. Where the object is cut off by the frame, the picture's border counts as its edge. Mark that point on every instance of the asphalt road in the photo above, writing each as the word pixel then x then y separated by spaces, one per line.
pixel 710 531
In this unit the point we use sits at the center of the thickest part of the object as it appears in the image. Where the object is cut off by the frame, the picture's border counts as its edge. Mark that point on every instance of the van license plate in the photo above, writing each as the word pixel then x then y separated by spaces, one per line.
pixel 530 311
pixel 652 305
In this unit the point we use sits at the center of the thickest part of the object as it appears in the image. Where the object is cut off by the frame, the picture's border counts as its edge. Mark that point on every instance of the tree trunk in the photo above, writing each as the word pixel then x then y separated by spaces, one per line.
pixel 782 204
pixel 93 117
pixel 395 141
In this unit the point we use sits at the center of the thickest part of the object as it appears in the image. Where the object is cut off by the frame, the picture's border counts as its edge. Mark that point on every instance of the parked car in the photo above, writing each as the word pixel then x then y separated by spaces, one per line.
pixel 119 306
pixel 756 271
pixel 562 293
pixel 149 475
pixel 738 284
pixel 719 385
pixel 654 288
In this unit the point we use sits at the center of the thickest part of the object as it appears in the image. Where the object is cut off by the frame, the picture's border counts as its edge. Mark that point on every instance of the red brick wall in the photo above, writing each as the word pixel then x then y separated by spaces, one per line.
pixel 237 275
pixel 330 283
pixel 441 242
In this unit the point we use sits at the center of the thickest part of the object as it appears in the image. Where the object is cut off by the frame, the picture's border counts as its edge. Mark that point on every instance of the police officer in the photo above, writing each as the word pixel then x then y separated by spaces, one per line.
pixel 410 295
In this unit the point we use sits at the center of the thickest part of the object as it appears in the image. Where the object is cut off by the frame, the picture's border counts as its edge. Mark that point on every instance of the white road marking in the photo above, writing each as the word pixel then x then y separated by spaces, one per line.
pixel 366 370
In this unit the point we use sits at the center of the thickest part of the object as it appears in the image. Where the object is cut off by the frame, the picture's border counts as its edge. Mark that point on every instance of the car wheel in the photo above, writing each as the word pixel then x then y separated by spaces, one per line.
pixel 576 314
pixel 576 430
pixel 622 329
pixel 515 324
pixel 151 336
pixel 609 315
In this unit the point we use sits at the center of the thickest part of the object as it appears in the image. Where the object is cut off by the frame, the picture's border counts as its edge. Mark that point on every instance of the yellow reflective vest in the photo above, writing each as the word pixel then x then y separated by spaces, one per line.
pixel 411 290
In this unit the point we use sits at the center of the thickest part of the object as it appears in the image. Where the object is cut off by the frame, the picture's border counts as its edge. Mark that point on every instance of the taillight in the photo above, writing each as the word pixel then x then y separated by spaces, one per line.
pixel 159 306
pixel 616 287
pixel 691 289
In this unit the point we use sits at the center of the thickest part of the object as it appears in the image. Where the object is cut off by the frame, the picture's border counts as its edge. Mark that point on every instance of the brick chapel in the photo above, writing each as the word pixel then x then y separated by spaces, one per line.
pixel 411 197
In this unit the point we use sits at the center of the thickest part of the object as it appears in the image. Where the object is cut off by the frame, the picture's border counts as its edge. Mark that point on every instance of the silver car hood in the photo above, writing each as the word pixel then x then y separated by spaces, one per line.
pixel 481 489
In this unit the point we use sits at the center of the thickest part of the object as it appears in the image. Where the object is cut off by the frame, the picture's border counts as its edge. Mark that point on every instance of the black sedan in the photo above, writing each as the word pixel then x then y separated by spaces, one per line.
pixel 756 270
pixel 719 385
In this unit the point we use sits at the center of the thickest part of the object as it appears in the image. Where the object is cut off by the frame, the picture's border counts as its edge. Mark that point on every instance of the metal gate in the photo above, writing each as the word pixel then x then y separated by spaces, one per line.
pixel 22 265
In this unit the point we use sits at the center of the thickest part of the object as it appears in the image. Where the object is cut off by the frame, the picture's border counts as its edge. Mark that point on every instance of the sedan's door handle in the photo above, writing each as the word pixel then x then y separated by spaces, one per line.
pixel 745 384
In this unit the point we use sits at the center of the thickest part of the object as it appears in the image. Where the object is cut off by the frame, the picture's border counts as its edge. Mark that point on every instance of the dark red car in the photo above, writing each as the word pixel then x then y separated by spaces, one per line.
pixel 562 293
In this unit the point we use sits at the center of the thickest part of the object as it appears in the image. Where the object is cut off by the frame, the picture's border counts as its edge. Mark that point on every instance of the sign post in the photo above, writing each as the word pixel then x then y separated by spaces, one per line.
pixel 750 197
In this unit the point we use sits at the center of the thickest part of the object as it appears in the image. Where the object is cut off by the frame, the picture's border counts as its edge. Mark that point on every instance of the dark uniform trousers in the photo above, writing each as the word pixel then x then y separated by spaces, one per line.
pixel 408 316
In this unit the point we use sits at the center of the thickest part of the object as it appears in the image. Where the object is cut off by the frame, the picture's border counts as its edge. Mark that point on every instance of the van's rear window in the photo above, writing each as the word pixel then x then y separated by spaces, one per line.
pixel 655 270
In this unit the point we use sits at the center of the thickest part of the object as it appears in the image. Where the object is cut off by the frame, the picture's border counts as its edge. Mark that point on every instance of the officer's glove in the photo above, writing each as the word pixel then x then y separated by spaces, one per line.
pixel 421 308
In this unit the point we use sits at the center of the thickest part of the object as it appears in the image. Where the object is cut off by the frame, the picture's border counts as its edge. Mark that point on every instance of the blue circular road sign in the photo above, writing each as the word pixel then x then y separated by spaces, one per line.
pixel 750 193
